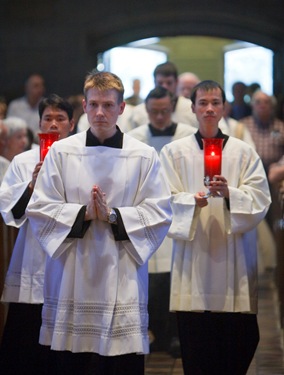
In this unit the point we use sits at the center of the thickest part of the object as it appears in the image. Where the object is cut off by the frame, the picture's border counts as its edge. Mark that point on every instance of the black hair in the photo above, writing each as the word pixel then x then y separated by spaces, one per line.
pixel 159 92
pixel 207 85
pixel 55 101
pixel 166 69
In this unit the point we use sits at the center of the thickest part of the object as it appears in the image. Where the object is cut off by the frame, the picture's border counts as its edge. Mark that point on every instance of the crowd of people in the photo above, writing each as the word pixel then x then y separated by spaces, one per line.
pixel 121 250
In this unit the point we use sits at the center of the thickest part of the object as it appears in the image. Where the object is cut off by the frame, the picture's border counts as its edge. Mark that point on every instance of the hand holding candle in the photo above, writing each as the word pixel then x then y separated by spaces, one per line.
pixel 212 159
pixel 45 142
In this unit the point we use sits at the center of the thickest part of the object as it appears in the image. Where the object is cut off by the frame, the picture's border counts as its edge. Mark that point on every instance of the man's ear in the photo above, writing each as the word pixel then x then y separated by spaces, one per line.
pixel 122 106
pixel 72 125
pixel 193 107
pixel 84 104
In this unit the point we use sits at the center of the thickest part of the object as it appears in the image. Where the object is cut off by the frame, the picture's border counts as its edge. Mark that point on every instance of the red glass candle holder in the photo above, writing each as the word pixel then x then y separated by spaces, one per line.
pixel 212 157
pixel 45 142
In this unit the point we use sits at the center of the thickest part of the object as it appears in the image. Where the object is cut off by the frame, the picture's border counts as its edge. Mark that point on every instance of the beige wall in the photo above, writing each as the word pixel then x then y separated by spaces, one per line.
pixel 201 55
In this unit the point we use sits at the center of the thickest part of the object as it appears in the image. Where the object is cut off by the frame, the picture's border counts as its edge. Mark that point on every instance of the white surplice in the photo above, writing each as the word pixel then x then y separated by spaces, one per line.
pixel 162 259
pixel 25 275
pixel 143 134
pixel 96 288
pixel 182 113
pixel 215 250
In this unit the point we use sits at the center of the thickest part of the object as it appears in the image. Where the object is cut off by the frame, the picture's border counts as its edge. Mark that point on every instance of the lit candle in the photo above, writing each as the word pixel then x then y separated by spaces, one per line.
pixel 212 157
pixel 45 142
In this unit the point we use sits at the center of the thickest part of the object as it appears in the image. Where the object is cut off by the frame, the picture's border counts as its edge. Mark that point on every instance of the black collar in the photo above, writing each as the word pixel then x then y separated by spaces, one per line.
pixel 115 141
pixel 199 137
pixel 170 131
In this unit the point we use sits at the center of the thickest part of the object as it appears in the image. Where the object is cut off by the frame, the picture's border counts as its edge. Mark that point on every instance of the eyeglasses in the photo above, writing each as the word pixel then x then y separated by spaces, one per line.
pixel 162 112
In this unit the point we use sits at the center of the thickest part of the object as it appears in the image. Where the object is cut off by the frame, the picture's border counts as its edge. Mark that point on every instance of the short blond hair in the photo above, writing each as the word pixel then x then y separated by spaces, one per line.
pixel 103 81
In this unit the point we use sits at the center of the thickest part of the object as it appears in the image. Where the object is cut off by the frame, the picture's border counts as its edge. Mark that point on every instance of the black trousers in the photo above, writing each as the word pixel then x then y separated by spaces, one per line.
pixel 68 363
pixel 20 352
pixel 162 322
pixel 217 343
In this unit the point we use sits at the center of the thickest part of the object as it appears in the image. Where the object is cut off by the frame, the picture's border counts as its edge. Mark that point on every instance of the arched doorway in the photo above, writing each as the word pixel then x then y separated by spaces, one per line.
pixel 207 57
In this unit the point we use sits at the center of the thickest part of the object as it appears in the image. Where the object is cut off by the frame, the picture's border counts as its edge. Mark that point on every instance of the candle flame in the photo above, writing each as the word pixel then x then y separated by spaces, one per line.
pixel 212 153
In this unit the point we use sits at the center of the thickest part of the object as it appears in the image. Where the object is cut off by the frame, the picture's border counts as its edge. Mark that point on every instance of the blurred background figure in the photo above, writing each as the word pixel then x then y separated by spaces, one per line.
pixel 234 128
pixel 268 135
pixel 166 75
pixel 157 132
pixel 17 137
pixel 239 107
pixel 266 244
pixel 186 82
pixel 276 178
pixel 4 163
pixel 251 89
pixel 26 107
pixel 3 108
pixel 276 172
pixel 135 98
pixel 266 130
pixel 76 102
